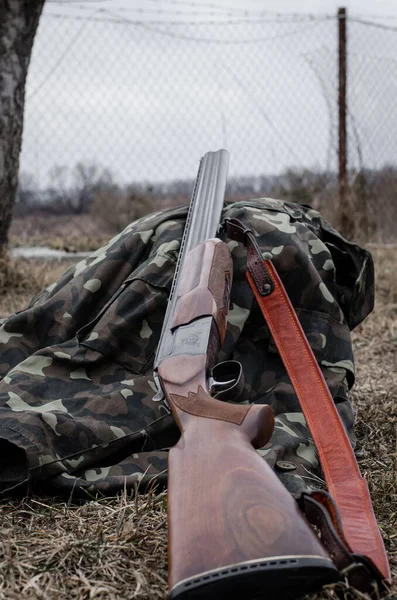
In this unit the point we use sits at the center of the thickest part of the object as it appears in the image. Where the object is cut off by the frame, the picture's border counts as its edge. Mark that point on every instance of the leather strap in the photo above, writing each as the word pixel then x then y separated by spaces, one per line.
pixel 320 510
pixel 341 472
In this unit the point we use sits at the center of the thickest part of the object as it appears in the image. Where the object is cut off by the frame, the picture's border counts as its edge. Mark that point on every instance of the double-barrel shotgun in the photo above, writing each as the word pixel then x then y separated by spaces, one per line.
pixel 234 529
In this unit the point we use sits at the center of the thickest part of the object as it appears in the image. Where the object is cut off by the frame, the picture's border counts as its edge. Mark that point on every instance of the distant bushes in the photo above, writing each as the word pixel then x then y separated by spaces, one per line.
pixel 70 191
pixel 85 189
pixel 90 189
pixel 117 208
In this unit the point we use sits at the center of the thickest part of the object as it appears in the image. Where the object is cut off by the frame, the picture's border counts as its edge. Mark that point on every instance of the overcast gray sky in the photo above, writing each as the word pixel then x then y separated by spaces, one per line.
pixel 146 87
pixel 367 7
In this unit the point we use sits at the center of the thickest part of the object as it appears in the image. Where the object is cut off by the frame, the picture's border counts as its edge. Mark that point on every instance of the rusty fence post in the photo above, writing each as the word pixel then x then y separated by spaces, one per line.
pixel 346 222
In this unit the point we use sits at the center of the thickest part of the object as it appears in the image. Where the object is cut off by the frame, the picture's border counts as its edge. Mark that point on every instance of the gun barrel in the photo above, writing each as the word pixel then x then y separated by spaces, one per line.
pixel 201 224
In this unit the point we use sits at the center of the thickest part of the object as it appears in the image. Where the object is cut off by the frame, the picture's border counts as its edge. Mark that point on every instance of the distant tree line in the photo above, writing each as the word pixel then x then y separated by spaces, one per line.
pixel 94 189
pixel 70 191
pixel 75 190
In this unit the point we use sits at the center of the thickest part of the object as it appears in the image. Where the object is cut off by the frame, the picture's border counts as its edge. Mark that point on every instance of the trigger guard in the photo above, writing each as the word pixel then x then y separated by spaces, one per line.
pixel 227 381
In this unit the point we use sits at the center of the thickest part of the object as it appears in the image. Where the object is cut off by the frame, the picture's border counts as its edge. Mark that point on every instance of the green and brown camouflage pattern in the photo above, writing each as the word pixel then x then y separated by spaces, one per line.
pixel 76 390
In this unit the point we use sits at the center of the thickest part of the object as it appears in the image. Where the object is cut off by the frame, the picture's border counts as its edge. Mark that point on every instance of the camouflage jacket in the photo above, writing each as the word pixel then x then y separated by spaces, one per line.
pixel 76 389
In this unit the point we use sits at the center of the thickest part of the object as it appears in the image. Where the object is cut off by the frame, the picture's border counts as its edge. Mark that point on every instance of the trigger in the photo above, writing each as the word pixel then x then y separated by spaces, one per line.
pixel 227 381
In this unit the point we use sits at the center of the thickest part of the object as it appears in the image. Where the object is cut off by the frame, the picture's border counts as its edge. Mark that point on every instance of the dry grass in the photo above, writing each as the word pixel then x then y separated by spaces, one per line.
pixel 72 233
pixel 21 279
pixel 103 549
pixel 116 549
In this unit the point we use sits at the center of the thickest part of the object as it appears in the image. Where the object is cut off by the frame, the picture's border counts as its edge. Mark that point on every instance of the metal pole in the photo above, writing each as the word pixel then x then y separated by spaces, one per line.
pixel 342 109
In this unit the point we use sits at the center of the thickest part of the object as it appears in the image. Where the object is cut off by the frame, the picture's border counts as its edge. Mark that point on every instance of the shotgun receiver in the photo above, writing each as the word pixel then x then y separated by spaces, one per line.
pixel 234 530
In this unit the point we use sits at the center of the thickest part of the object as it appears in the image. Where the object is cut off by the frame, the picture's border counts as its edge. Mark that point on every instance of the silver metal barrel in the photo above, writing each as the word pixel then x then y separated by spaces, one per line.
pixel 201 224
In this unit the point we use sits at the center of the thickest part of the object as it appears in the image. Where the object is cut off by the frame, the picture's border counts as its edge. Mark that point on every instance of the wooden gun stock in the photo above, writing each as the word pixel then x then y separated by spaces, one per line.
pixel 234 530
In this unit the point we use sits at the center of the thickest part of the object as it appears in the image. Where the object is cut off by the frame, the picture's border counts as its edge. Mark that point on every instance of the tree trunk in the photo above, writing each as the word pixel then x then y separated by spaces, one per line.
pixel 18 24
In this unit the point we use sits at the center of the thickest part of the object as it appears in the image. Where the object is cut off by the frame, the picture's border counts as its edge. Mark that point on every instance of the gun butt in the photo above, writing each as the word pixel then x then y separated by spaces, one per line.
pixel 234 530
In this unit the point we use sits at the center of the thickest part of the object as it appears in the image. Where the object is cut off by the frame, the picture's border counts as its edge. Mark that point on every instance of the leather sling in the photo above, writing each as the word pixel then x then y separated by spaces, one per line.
pixel 349 490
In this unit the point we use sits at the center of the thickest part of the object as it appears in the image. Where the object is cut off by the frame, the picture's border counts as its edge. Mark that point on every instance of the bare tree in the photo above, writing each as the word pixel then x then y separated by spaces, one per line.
pixel 18 24
pixel 86 182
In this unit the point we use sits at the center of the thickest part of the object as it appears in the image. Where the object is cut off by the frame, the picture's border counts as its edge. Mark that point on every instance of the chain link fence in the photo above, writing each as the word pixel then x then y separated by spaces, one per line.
pixel 135 97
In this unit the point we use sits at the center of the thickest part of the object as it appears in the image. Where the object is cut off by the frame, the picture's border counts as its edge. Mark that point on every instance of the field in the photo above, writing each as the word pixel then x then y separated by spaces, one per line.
pixel 116 548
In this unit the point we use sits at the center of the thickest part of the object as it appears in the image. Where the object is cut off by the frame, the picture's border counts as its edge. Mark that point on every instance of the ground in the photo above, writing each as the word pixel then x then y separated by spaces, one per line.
pixel 116 549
